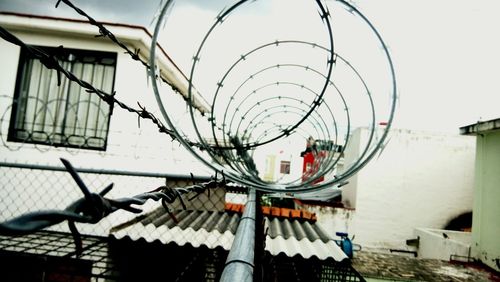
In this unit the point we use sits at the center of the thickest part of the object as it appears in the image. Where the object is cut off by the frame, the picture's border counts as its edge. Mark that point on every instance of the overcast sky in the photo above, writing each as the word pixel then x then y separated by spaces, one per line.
pixel 446 53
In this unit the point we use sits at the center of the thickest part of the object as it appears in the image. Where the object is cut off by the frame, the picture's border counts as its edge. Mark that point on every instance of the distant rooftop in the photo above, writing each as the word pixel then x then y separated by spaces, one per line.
pixel 481 127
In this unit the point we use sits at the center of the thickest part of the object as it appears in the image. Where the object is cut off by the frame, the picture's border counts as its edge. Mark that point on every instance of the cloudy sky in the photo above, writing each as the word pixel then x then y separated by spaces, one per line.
pixel 445 52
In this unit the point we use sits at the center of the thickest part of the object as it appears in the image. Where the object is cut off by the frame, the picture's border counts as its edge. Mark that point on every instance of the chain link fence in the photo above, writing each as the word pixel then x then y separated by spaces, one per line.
pixel 29 188
pixel 192 235
pixel 195 226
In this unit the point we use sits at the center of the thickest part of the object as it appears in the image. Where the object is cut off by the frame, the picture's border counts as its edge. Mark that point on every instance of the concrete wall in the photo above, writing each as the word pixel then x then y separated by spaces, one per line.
pixel 421 179
pixel 351 154
pixel 442 244
pixel 486 216
pixel 334 220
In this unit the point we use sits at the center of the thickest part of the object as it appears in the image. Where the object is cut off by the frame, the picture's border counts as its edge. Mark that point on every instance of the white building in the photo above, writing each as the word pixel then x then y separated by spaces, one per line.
pixel 41 122
pixel 420 179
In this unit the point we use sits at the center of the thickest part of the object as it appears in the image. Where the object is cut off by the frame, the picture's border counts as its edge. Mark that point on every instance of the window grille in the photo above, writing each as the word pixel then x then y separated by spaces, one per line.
pixel 65 115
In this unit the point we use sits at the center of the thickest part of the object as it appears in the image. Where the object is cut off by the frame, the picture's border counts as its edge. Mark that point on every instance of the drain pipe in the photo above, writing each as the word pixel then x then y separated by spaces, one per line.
pixel 240 261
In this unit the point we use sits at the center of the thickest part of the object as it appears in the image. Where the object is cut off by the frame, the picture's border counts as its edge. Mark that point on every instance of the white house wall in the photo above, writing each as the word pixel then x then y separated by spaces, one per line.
pixel 129 147
pixel 421 179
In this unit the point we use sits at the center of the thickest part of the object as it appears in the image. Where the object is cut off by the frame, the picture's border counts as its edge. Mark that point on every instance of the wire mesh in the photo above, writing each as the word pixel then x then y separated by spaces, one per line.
pixel 41 188
pixel 283 268
pixel 51 257
pixel 199 227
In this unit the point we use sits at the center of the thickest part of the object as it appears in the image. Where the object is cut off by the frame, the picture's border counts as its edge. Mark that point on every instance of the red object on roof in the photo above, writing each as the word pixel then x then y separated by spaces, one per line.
pixel 311 165
pixel 276 212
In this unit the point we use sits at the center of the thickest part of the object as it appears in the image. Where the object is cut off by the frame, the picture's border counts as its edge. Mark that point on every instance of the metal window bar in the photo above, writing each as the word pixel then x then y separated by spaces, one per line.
pixel 283 268
pixel 105 259
pixel 61 115
pixel 49 61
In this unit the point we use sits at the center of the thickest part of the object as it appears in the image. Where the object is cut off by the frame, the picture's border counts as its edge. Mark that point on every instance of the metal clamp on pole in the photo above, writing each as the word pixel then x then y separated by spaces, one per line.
pixel 240 261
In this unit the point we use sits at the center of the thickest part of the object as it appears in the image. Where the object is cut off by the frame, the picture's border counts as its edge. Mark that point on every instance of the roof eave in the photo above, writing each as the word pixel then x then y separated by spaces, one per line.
pixel 481 127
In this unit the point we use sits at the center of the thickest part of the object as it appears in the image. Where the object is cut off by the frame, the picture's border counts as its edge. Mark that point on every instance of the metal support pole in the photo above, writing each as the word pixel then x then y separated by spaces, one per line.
pixel 240 261
pixel 106 171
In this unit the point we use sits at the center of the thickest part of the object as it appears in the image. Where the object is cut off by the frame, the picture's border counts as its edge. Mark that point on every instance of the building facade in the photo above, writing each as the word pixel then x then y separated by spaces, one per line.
pixel 45 117
pixel 421 179
pixel 43 121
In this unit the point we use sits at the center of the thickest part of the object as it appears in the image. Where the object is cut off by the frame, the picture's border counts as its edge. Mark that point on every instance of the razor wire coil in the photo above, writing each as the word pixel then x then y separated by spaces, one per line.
pixel 248 116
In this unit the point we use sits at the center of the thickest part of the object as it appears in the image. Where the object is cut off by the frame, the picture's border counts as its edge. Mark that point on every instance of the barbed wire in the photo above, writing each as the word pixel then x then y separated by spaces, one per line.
pixel 238 168
pixel 135 55
pixel 234 150
pixel 283 105
pixel 104 32
pixel 93 207
pixel 50 61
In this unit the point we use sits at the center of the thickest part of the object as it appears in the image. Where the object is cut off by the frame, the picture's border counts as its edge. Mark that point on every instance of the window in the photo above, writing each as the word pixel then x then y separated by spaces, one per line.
pixel 285 167
pixel 65 115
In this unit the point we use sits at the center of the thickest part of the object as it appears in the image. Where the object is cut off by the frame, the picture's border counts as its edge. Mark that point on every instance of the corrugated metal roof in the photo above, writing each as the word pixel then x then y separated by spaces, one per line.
pixel 210 228
pixel 293 228
pixel 216 229
pixel 296 237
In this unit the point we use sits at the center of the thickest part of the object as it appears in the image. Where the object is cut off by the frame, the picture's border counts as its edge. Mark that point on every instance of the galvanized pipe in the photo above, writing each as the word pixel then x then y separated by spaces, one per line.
pixel 108 171
pixel 240 261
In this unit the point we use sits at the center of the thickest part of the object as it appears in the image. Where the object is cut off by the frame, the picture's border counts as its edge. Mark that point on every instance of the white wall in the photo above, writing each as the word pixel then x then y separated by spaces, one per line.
pixel 485 221
pixel 442 244
pixel 421 179
pixel 334 220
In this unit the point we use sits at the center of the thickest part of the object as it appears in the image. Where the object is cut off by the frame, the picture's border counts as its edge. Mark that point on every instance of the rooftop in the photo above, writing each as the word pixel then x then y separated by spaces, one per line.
pixel 284 235
pixel 481 127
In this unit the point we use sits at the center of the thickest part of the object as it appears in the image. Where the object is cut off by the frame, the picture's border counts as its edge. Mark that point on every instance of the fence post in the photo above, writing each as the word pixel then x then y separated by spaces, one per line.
pixel 240 261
